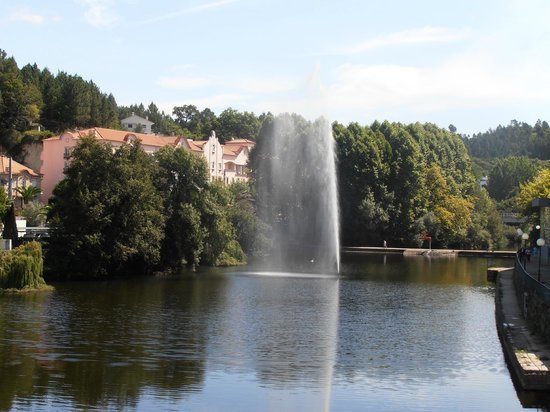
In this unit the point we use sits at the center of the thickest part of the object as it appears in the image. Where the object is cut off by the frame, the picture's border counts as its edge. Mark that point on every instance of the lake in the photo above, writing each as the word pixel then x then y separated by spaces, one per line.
pixel 391 333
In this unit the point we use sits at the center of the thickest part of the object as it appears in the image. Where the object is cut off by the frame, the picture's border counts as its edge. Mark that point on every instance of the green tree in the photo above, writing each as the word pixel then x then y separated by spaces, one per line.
pixel 220 244
pixel 508 174
pixel 19 104
pixel 487 230
pixel 4 203
pixel 106 215
pixel 234 124
pixel 35 213
pixel 538 187
pixel 182 178
pixel 28 193
pixel 251 233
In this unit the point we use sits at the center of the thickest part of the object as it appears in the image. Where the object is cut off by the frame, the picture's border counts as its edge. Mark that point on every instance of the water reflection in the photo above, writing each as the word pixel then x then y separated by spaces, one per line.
pixel 283 329
pixel 393 334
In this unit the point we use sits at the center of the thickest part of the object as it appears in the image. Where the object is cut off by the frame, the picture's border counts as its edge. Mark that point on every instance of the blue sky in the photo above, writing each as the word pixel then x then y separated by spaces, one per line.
pixel 475 64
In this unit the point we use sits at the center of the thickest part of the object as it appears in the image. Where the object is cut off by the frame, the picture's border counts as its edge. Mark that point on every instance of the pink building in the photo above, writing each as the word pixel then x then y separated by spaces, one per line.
pixel 21 177
pixel 227 162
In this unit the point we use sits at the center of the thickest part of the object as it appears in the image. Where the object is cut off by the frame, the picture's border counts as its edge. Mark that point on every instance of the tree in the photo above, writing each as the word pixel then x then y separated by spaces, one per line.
pixel 19 104
pixel 234 124
pixel 28 193
pixel 35 213
pixel 487 230
pixel 508 174
pixel 106 215
pixel 10 227
pixel 5 202
pixel 182 178
pixel 250 231
pixel 220 245
pixel 538 187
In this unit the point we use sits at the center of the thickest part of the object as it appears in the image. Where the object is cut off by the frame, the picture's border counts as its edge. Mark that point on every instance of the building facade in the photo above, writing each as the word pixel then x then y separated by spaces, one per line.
pixel 225 162
pixel 137 124
pixel 21 177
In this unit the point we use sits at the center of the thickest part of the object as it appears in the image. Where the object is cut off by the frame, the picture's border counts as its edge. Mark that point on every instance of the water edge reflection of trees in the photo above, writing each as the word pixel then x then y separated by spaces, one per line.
pixel 102 344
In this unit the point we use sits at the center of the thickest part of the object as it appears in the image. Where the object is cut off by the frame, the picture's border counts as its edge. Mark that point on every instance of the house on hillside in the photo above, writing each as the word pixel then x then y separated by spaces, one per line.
pixel 235 155
pixel 57 150
pixel 137 124
pixel 225 162
pixel 21 177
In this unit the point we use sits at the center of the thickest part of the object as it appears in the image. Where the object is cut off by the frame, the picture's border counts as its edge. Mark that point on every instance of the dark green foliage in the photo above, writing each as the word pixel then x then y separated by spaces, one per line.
pixel 508 174
pixel 182 178
pixel 250 231
pixel 198 227
pixel 4 203
pixel 10 227
pixel 30 96
pixel 106 215
pixel 385 189
pixel 228 125
pixel 22 268
pixel 516 139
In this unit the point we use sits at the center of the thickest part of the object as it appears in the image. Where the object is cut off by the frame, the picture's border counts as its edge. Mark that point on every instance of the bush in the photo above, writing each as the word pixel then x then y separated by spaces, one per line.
pixel 22 267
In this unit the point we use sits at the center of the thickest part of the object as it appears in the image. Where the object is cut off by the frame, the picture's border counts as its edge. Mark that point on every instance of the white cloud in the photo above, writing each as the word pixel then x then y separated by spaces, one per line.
pixel 27 16
pixel 464 82
pixel 190 10
pixel 408 37
pixel 98 13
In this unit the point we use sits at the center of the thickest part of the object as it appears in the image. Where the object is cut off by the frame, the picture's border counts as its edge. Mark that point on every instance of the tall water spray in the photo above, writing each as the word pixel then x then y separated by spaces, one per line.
pixel 296 183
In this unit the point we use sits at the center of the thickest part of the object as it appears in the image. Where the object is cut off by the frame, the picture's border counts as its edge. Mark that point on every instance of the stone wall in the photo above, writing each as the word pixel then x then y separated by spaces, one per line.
pixel 534 299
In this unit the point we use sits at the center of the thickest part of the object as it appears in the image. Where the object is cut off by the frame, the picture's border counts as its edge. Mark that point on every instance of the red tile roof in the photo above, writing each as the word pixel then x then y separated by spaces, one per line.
pixel 122 136
pixel 16 168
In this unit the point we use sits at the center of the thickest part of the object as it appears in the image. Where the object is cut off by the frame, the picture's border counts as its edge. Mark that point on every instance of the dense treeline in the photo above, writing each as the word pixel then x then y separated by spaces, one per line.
pixel 516 139
pixel 30 96
pixel 126 212
pixel 400 181
pixel 396 181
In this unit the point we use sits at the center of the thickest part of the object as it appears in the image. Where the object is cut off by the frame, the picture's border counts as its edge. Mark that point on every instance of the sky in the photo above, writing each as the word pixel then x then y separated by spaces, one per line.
pixel 475 64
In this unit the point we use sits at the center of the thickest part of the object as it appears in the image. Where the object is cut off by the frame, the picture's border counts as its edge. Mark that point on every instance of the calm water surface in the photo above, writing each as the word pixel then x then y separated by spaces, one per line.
pixel 392 334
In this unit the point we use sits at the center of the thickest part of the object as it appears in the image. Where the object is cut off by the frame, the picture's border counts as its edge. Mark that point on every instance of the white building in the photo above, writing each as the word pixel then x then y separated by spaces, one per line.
pixel 136 123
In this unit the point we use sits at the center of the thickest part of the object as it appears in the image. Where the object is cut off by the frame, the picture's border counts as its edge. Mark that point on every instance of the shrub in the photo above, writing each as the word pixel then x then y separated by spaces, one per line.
pixel 22 267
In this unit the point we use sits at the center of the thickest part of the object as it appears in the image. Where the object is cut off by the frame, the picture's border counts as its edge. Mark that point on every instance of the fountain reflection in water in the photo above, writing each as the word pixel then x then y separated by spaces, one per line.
pixel 296 183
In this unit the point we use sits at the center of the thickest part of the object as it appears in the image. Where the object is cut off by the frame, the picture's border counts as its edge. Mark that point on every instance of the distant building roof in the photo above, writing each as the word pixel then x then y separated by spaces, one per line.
pixel 122 136
pixel 136 119
pixel 16 168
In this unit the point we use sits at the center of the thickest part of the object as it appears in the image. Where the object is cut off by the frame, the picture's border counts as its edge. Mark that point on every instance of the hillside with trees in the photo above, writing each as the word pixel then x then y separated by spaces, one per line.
pixel 516 139
pixel 396 181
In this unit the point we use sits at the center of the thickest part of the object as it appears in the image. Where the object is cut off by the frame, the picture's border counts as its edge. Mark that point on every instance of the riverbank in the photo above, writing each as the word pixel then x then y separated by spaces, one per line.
pixel 528 355
pixel 431 252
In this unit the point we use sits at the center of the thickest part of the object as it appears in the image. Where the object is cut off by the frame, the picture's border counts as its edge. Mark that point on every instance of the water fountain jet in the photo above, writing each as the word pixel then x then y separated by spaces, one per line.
pixel 297 188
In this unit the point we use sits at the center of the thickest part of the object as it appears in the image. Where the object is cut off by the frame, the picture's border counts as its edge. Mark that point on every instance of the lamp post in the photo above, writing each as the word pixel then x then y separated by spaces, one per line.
pixel 540 244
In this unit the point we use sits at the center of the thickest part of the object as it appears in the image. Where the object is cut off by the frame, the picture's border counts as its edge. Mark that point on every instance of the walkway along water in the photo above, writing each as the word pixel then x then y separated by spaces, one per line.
pixel 522 310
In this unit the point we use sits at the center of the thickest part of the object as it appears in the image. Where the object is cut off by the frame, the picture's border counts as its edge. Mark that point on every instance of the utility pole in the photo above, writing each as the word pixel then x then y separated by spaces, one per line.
pixel 9 179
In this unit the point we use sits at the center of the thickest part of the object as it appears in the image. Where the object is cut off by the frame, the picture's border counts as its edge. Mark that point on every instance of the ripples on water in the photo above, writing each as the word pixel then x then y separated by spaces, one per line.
pixel 389 335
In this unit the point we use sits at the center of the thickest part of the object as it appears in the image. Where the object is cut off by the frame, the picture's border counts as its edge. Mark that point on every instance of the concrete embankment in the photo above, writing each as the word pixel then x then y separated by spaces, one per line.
pixel 430 252
pixel 528 355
